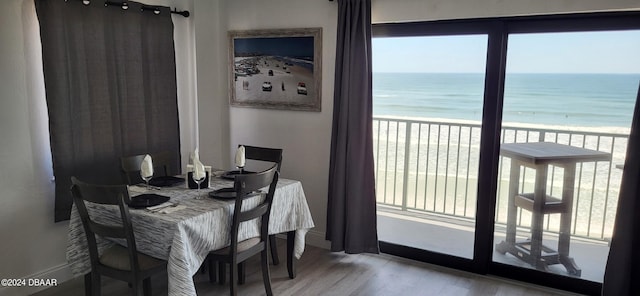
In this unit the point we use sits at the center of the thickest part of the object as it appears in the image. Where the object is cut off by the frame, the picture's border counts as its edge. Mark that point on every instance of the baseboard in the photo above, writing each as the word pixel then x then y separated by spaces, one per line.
pixel 317 239
pixel 313 238
pixel 60 273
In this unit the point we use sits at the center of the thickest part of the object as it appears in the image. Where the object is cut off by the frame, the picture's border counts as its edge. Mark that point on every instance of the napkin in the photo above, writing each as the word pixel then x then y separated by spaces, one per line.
pixel 146 169
pixel 136 189
pixel 169 210
pixel 240 160
pixel 198 168
pixel 166 208
pixel 161 206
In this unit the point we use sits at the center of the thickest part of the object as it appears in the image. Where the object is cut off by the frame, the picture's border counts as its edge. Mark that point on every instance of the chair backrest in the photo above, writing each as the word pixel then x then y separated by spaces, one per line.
pixel 264 154
pixel 131 166
pixel 116 195
pixel 246 187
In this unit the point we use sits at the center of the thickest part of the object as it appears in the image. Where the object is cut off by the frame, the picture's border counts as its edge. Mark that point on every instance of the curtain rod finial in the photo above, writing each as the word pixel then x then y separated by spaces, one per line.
pixel 184 13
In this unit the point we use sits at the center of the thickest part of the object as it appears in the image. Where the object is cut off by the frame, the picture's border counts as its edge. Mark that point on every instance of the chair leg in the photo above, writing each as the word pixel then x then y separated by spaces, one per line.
pixel 146 286
pixel 233 283
pixel 241 273
pixel 135 288
pixel 266 277
pixel 274 249
pixel 87 284
pixel 212 270
pixel 95 284
pixel 222 273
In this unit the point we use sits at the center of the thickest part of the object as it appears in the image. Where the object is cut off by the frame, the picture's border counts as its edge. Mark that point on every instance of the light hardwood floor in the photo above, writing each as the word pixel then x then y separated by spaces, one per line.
pixel 321 272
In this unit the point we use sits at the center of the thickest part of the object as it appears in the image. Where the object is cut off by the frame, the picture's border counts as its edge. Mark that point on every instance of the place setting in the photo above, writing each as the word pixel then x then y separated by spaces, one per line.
pixel 229 193
pixel 198 175
pixel 163 194
pixel 153 202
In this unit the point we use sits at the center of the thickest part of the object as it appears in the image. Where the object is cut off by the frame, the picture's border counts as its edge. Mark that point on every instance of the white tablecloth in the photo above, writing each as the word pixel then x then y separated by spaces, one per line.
pixel 185 237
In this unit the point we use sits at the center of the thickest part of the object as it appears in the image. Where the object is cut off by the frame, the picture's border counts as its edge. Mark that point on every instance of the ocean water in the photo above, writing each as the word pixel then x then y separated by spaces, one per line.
pixel 603 100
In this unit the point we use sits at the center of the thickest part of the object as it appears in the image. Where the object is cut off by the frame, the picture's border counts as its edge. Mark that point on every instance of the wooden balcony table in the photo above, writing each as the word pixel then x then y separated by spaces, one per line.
pixel 539 155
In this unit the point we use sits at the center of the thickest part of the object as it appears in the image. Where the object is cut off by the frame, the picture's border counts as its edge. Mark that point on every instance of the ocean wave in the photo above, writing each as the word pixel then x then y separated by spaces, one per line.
pixel 578 100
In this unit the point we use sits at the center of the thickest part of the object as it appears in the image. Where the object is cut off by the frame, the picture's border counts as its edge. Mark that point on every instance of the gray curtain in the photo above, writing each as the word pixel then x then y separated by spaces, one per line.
pixel 351 211
pixel 622 274
pixel 110 83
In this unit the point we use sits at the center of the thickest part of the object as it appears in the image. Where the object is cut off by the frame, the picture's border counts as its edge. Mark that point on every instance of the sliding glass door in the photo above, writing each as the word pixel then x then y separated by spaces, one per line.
pixel 567 110
pixel 499 143
pixel 427 110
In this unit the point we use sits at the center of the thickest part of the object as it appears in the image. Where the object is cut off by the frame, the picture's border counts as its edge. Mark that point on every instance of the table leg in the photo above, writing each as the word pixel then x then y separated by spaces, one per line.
pixel 537 216
pixel 564 239
pixel 291 264
pixel 512 212
pixel 274 249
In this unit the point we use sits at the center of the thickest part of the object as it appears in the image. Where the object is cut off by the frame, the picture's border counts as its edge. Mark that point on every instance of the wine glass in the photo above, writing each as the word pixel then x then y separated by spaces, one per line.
pixel 198 181
pixel 146 178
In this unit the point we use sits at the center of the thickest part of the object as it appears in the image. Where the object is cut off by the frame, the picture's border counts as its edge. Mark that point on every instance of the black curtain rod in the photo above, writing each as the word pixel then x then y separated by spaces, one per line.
pixel 155 9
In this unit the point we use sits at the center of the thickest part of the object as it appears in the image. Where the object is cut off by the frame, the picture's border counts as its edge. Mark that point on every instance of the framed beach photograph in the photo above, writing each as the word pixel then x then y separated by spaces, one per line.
pixel 276 69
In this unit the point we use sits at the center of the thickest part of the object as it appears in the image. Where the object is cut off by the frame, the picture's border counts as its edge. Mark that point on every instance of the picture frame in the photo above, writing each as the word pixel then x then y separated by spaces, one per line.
pixel 276 69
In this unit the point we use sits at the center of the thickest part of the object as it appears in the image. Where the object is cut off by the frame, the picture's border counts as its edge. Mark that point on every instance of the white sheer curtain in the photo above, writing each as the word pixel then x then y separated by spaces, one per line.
pixel 35 90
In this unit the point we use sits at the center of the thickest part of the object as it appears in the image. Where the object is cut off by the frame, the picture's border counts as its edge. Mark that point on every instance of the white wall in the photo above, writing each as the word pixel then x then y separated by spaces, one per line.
pixel 213 111
pixel 305 137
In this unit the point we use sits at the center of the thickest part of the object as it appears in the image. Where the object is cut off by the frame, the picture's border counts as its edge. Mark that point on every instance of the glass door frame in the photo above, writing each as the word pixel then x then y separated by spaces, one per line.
pixel 498 30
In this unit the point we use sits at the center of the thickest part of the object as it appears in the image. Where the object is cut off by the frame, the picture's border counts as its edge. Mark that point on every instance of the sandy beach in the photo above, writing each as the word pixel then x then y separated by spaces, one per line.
pixel 284 81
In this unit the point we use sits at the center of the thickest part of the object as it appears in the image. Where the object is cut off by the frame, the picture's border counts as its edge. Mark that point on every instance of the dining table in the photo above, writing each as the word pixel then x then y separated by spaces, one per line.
pixel 192 225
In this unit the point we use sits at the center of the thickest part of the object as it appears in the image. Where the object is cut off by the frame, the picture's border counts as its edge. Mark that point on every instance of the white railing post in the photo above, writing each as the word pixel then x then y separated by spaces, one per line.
pixel 405 176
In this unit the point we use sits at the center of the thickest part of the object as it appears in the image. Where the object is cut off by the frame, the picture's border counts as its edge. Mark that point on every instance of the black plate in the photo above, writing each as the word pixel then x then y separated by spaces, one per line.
pixel 147 200
pixel 223 193
pixel 231 175
pixel 165 181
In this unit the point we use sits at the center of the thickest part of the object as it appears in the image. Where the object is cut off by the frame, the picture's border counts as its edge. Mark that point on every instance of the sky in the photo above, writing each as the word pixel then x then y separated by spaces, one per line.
pixel 577 52
pixel 282 46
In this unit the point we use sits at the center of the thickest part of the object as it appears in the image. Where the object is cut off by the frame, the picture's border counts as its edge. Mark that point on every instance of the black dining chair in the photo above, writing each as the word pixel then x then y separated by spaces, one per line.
pixel 263 154
pixel 119 262
pixel 130 166
pixel 273 155
pixel 247 186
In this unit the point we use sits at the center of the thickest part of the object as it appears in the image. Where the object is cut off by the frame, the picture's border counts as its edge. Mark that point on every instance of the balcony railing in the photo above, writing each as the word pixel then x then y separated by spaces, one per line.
pixel 432 167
